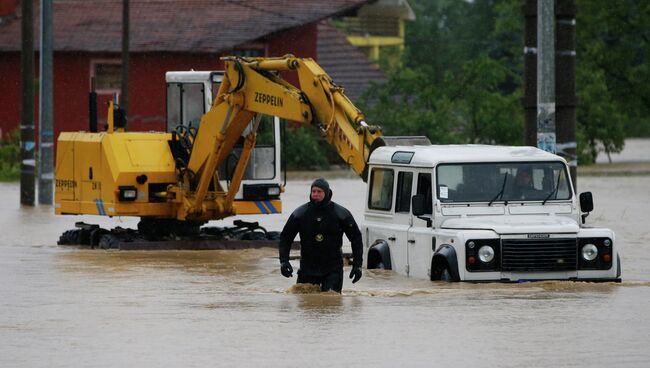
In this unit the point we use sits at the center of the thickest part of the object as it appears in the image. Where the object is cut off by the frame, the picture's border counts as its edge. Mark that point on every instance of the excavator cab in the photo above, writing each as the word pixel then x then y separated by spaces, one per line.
pixel 190 95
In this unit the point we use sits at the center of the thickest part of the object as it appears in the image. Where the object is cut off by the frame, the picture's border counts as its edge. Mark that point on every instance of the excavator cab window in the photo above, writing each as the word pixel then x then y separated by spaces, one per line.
pixel 185 104
pixel 261 164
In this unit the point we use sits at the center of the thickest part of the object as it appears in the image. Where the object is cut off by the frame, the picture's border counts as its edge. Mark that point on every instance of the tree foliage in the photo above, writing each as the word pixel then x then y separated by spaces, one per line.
pixel 458 79
pixel 303 149
pixel 613 48
pixel 10 156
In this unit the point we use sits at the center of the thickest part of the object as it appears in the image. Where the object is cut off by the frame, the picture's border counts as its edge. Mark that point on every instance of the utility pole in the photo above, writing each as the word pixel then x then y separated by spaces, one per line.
pixel 27 145
pixel 45 157
pixel 125 60
pixel 565 84
pixel 564 93
pixel 546 139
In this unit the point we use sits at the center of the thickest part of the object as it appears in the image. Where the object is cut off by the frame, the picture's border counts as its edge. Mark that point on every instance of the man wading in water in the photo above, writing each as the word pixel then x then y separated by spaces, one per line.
pixel 321 224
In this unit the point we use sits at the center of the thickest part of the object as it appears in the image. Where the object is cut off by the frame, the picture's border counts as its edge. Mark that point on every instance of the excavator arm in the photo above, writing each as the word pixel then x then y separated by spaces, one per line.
pixel 251 87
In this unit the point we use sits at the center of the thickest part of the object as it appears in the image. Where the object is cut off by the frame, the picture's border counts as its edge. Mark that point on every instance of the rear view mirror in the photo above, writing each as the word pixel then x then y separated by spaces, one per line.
pixel 417 204
pixel 586 204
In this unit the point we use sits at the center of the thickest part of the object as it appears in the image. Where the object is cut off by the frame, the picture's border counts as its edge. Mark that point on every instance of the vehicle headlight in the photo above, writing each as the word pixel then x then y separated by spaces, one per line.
pixel 486 254
pixel 127 193
pixel 589 252
pixel 274 191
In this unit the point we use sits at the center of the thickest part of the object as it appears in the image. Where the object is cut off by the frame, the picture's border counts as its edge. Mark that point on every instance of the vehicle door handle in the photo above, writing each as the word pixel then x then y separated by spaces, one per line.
pixel 411 241
pixel 391 238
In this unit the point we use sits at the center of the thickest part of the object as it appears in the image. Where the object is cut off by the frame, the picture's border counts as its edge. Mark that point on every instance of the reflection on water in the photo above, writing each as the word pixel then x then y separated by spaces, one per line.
pixel 62 307
pixel 307 289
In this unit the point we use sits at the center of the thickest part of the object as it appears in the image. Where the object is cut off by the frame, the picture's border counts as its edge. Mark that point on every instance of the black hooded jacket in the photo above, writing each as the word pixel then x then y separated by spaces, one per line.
pixel 321 227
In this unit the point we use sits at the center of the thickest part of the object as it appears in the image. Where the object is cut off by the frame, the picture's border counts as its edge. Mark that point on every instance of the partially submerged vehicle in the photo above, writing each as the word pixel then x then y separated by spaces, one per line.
pixel 482 213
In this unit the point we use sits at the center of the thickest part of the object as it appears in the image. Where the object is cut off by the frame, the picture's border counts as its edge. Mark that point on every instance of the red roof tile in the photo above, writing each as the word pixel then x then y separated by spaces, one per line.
pixel 196 26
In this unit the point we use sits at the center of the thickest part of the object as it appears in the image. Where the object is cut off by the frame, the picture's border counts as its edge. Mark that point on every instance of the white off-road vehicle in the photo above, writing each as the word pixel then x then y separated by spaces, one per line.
pixel 481 213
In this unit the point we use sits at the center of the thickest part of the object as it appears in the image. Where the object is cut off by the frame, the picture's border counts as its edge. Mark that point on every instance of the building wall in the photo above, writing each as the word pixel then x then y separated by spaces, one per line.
pixel 147 90
pixel 9 92
pixel 301 42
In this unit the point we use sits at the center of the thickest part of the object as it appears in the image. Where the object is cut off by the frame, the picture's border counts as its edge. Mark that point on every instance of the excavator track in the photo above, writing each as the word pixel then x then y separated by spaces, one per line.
pixel 243 235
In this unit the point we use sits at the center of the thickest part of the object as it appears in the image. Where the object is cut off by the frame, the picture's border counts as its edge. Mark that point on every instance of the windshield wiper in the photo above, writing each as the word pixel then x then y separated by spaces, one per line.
pixel 557 185
pixel 500 194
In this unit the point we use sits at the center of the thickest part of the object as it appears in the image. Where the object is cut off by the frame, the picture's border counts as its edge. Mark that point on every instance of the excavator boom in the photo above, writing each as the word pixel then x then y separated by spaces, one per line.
pixel 251 86
pixel 175 182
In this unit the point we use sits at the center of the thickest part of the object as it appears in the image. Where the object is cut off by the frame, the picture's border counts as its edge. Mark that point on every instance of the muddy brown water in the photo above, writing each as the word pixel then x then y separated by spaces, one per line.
pixel 67 307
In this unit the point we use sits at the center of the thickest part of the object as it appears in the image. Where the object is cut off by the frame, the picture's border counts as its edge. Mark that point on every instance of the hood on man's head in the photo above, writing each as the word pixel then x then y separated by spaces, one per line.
pixel 325 186
pixel 321 183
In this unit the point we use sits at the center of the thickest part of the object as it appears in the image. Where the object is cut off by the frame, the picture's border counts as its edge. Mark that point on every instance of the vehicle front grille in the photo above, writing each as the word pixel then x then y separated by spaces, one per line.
pixel 539 254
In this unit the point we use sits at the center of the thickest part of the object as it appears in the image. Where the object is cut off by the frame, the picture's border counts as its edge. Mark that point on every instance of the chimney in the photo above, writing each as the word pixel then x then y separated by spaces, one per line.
pixel 7 7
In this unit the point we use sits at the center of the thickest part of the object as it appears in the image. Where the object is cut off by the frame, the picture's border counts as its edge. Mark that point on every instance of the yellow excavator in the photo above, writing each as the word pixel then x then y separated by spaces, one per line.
pixel 177 181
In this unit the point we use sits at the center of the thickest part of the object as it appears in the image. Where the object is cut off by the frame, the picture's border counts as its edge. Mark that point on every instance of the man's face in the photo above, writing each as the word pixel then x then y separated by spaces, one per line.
pixel 317 194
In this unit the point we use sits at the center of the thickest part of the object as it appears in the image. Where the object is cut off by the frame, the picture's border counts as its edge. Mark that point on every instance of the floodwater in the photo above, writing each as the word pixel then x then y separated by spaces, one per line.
pixel 69 307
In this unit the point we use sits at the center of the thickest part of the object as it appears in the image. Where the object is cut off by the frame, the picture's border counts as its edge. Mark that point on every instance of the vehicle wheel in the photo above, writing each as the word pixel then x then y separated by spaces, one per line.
pixel 445 275
pixel 273 235
pixel 109 241
pixel 69 237
pixel 254 235
pixel 440 272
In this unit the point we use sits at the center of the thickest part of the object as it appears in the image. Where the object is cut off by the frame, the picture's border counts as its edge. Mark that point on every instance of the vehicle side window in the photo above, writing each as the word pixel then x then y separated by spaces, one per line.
pixel 381 189
pixel 424 188
pixel 404 185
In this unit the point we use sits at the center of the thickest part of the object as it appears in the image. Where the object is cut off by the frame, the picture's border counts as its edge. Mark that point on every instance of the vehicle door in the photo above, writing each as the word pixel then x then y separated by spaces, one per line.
pixel 380 216
pixel 420 239
pixel 402 218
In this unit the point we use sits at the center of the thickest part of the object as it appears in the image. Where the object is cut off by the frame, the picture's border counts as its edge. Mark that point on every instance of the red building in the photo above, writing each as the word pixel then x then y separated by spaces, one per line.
pixel 165 35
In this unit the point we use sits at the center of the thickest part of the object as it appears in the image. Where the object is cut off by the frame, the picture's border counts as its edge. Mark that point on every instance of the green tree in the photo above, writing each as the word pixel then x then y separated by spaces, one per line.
pixel 458 81
pixel 601 119
pixel 303 149
pixel 613 46
pixel 10 156
pixel 484 113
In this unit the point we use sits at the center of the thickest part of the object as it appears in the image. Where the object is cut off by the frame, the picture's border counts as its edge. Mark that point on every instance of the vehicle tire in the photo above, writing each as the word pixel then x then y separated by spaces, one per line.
pixel 69 237
pixel 109 241
pixel 440 271
pixel 445 275
pixel 253 235
pixel 273 235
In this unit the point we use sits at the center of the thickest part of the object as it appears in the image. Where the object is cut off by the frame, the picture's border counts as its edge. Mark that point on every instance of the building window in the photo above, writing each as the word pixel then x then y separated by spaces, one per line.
pixel 107 75
pixel 251 49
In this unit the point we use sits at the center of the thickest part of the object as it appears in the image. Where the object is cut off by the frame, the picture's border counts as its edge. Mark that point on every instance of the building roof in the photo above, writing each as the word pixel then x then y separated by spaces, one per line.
pixel 345 63
pixel 198 26
pixel 429 156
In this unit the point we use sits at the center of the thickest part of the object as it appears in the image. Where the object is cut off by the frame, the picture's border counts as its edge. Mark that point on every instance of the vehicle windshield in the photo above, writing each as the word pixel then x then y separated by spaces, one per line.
pixel 498 182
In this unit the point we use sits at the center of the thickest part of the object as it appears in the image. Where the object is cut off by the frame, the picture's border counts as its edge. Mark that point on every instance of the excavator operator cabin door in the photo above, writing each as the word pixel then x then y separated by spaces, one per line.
pixel 189 96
